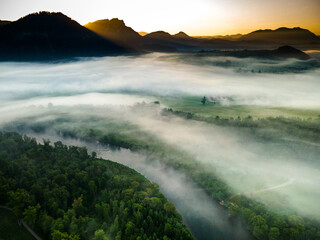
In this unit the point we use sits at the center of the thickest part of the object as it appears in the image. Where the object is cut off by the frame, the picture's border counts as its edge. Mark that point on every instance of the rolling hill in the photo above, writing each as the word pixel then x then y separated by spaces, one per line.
pixel 285 35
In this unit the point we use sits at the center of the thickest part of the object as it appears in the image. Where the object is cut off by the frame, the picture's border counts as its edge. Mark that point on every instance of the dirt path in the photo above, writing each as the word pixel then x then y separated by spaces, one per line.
pixel 30 230
pixel 287 183
pixel 23 223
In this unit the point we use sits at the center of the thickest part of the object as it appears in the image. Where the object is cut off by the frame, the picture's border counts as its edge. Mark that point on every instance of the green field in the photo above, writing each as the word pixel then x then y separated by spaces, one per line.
pixel 193 105
pixel 10 229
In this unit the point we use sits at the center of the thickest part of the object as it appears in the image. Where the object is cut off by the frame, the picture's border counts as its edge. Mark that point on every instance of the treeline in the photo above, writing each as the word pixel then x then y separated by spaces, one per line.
pixel 65 193
pixel 308 129
pixel 266 224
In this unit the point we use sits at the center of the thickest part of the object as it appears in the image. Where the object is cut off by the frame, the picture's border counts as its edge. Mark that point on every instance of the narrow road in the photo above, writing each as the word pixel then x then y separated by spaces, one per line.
pixel 30 230
pixel 23 223
pixel 287 183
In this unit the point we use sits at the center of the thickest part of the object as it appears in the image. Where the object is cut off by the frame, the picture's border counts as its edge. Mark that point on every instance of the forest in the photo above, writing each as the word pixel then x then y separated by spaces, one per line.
pixel 66 193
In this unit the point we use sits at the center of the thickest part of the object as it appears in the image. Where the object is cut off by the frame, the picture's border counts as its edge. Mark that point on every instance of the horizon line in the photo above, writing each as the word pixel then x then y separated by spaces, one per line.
pixel 171 32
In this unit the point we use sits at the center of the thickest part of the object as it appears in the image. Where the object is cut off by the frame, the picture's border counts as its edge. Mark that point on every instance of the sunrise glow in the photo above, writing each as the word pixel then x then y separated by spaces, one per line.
pixel 202 17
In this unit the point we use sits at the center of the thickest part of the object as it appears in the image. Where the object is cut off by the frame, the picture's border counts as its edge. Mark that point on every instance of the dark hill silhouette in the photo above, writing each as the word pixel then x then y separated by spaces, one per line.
pixel 47 35
pixel 3 22
pixel 160 35
pixel 182 35
pixel 179 41
pixel 296 35
pixel 264 39
pixel 225 37
pixel 115 30
pixel 44 35
pixel 281 52
pixel 290 52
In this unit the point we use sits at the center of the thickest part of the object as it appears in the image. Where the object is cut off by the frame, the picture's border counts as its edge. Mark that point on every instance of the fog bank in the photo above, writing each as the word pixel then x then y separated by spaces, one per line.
pixel 161 74
pixel 86 94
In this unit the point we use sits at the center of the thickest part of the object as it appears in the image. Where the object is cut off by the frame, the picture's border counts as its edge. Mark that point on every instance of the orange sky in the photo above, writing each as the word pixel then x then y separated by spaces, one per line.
pixel 195 17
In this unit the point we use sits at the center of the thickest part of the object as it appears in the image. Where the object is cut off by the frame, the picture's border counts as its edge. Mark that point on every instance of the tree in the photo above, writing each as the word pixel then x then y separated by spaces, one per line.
pixel 18 200
pixel 169 207
pixel 45 223
pixel 92 187
pixel 57 235
pixel 30 214
pixel 168 229
pixel 274 233
pixel 204 100
pixel 115 226
pixel 260 231
pixel 100 235
pixel 77 202
pixel 129 228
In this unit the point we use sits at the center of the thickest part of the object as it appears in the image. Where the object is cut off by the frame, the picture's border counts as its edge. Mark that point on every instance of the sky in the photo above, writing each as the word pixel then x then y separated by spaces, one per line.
pixel 195 17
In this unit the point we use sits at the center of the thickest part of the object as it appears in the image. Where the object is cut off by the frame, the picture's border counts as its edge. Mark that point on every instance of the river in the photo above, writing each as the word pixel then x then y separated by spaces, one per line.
pixel 206 219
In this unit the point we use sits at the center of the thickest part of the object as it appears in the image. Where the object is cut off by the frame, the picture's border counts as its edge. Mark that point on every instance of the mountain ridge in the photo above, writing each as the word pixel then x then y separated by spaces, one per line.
pixel 295 34
pixel 115 30
pixel 46 35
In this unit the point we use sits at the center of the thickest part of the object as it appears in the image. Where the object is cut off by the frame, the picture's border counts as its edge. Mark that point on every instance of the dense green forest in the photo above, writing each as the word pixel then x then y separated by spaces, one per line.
pixel 65 193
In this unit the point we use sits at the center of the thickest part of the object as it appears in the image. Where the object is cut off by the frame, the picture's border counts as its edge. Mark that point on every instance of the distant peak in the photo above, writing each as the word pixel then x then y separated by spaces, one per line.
pixel 143 33
pixel 44 22
pixel 159 34
pixel 287 48
pixel 181 35
pixel 46 15
pixel 289 51
pixel 113 21
pixel 284 35
pixel 281 29
pixel 117 21
pixel 291 29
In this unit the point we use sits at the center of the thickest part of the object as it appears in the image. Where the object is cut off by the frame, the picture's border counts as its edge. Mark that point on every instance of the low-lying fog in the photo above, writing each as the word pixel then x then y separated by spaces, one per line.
pixel 108 87
pixel 162 74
